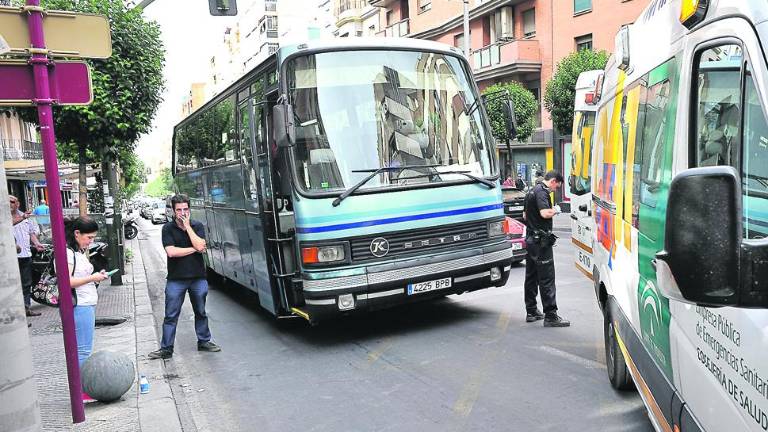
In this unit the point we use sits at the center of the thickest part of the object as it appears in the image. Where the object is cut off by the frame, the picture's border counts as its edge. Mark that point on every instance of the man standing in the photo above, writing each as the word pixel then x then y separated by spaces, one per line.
pixel 540 264
pixel 41 212
pixel 25 234
pixel 184 243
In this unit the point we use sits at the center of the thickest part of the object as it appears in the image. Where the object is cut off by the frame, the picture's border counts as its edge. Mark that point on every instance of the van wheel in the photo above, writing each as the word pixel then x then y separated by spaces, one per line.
pixel 618 373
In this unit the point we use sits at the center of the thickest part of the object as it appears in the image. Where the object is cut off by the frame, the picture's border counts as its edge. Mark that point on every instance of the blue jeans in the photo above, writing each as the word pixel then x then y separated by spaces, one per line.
pixel 174 298
pixel 85 325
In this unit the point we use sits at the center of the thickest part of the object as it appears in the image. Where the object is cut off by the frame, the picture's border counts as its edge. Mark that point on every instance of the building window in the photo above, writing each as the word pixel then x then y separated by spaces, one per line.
pixel 425 5
pixel 389 17
pixel 581 6
pixel 584 42
pixel 458 41
pixel 529 23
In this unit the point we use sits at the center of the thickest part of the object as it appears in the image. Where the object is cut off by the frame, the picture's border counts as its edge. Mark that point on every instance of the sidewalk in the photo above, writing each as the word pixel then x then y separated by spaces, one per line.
pixel 129 305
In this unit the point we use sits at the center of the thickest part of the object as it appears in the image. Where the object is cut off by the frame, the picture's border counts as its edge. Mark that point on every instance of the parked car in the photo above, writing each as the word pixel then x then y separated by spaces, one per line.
pixel 159 216
pixel 514 202
pixel 516 231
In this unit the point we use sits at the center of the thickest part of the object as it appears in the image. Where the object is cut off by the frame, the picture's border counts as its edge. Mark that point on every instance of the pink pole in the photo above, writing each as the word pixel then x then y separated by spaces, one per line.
pixel 43 101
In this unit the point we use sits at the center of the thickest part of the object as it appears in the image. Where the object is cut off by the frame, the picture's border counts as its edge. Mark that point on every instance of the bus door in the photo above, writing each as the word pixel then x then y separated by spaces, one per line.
pixel 250 116
pixel 213 244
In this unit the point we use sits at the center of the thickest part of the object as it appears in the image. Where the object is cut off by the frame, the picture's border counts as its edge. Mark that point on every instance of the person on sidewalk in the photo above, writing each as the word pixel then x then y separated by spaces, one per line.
pixel 25 233
pixel 80 233
pixel 184 243
pixel 540 262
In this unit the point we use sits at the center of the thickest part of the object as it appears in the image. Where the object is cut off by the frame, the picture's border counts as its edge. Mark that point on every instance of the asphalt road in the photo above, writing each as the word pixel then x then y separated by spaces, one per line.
pixel 461 363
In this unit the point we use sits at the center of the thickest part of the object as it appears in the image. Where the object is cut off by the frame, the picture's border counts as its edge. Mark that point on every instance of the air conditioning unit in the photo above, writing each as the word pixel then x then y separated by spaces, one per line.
pixel 505 24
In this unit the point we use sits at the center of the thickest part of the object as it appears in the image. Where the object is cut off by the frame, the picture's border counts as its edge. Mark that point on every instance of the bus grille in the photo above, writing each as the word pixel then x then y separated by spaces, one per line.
pixel 418 241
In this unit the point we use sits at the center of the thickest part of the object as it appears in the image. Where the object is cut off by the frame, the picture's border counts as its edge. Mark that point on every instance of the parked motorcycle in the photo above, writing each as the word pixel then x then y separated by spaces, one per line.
pixel 130 228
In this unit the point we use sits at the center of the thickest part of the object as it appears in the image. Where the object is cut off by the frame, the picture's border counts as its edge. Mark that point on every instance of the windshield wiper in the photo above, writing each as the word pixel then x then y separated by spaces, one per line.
pixel 490 184
pixel 374 173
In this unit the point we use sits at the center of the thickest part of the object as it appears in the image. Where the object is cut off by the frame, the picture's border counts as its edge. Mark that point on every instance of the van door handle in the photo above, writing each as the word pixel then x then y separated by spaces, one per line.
pixel 583 207
pixel 574 217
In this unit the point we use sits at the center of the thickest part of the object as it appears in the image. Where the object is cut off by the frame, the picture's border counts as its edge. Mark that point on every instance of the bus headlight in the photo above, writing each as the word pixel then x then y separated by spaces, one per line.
pixel 322 254
pixel 496 229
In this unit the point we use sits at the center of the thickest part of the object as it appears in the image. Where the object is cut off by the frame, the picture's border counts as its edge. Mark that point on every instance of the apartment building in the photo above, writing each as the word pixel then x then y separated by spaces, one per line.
pixel 520 40
pixel 194 99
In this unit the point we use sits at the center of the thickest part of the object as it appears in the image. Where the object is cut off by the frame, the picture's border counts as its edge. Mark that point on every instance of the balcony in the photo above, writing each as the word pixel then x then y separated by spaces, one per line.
pixel 16 149
pixel 270 6
pixel 381 3
pixel 398 29
pixel 499 59
pixel 348 10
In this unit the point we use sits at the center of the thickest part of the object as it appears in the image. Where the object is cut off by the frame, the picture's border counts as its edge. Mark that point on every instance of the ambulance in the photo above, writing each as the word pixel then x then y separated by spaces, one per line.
pixel 588 87
pixel 679 184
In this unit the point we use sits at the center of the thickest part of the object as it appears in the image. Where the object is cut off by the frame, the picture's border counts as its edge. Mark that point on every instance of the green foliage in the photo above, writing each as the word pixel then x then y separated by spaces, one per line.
pixel 127 86
pixel 560 92
pixel 201 141
pixel 525 110
pixel 162 186
pixel 134 174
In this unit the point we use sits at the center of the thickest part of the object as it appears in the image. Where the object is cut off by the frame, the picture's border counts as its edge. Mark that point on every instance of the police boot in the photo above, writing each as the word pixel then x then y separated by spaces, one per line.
pixel 555 320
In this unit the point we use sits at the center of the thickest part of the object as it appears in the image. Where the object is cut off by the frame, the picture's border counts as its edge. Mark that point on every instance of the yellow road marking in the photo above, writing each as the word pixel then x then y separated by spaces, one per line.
pixel 376 354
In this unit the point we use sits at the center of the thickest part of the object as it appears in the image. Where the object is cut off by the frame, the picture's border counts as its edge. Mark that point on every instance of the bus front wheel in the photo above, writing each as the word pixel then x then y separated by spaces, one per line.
pixel 618 373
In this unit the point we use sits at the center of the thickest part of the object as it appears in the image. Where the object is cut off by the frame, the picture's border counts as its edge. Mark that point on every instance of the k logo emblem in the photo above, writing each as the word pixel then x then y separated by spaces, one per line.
pixel 379 247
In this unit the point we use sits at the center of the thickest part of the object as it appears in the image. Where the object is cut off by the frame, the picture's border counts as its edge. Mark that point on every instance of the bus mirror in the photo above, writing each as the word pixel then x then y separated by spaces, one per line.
pixel 700 261
pixel 282 121
pixel 222 7
pixel 509 118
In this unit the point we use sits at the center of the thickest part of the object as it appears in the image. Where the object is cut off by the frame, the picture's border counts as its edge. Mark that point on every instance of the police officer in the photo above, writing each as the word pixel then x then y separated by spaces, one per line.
pixel 540 264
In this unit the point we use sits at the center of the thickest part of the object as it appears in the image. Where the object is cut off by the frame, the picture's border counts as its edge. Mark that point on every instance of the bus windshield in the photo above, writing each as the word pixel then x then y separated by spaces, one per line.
pixel 358 111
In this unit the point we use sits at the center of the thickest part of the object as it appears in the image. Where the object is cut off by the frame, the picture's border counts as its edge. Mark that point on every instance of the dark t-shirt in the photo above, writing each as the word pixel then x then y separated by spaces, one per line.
pixel 186 267
pixel 537 199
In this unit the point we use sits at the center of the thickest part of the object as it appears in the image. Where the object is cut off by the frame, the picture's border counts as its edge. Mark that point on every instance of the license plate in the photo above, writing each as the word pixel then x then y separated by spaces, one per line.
pixel 514 208
pixel 421 287
pixel 517 246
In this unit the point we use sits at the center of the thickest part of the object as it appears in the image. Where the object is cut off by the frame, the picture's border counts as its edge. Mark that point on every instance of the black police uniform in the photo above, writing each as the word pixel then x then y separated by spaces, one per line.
pixel 540 264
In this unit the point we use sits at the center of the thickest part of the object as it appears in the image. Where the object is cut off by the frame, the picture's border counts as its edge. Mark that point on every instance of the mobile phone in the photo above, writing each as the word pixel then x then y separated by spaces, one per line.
pixel 111 272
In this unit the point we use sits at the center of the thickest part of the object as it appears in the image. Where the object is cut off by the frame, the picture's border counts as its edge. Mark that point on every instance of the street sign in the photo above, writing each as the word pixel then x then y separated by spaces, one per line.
pixel 67 34
pixel 69 82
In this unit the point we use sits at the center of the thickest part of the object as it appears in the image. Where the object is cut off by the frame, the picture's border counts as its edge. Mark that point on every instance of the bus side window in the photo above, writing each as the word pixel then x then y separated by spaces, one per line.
pixel 754 172
pixel 718 91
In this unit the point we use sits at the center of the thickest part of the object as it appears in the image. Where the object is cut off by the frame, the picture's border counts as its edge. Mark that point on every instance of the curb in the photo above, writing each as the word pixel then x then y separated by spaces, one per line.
pixel 157 409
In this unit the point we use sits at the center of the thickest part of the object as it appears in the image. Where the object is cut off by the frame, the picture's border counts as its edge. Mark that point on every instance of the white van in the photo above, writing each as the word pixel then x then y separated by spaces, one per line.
pixel 588 87
pixel 679 181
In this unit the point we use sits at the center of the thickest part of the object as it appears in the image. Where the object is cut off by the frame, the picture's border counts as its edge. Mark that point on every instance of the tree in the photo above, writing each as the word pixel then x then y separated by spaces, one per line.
pixel 127 89
pixel 561 89
pixel 161 186
pixel 525 110
pixel 134 174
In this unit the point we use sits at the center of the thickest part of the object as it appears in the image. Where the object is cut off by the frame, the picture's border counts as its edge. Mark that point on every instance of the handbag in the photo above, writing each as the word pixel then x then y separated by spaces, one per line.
pixel 46 291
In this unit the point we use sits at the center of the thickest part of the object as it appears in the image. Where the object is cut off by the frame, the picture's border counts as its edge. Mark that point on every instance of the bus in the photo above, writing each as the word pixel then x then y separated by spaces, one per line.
pixel 588 87
pixel 344 176
pixel 679 180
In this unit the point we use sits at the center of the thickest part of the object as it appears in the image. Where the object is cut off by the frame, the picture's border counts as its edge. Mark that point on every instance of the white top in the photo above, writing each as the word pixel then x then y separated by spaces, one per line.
pixel 86 294
pixel 22 233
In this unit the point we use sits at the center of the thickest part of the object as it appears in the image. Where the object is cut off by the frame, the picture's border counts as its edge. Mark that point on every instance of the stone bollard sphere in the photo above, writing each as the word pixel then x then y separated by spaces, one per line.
pixel 107 375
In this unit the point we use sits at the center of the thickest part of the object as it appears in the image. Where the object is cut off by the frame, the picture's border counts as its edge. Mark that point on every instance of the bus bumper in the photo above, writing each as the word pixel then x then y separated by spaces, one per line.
pixel 386 285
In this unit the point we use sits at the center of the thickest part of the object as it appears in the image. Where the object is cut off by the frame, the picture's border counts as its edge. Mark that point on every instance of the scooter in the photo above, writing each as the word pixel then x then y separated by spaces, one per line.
pixel 42 260
pixel 130 228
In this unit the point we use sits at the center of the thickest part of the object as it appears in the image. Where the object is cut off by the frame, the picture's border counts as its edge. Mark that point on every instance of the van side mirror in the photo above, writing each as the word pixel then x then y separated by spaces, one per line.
pixel 705 259
pixel 222 7
pixel 283 123
pixel 509 118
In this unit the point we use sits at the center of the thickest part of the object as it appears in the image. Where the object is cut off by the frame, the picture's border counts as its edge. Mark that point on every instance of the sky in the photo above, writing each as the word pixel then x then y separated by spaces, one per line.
pixel 190 36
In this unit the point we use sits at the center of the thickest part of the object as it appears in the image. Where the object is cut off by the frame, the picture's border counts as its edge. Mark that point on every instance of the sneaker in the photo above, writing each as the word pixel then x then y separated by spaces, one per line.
pixel 208 346
pixel 31 313
pixel 87 398
pixel 162 353
pixel 555 320
pixel 534 316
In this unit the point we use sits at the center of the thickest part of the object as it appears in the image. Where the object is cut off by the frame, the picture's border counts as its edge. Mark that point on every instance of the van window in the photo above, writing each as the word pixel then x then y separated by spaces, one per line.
pixel 754 172
pixel 718 91
pixel 654 108
pixel 581 165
